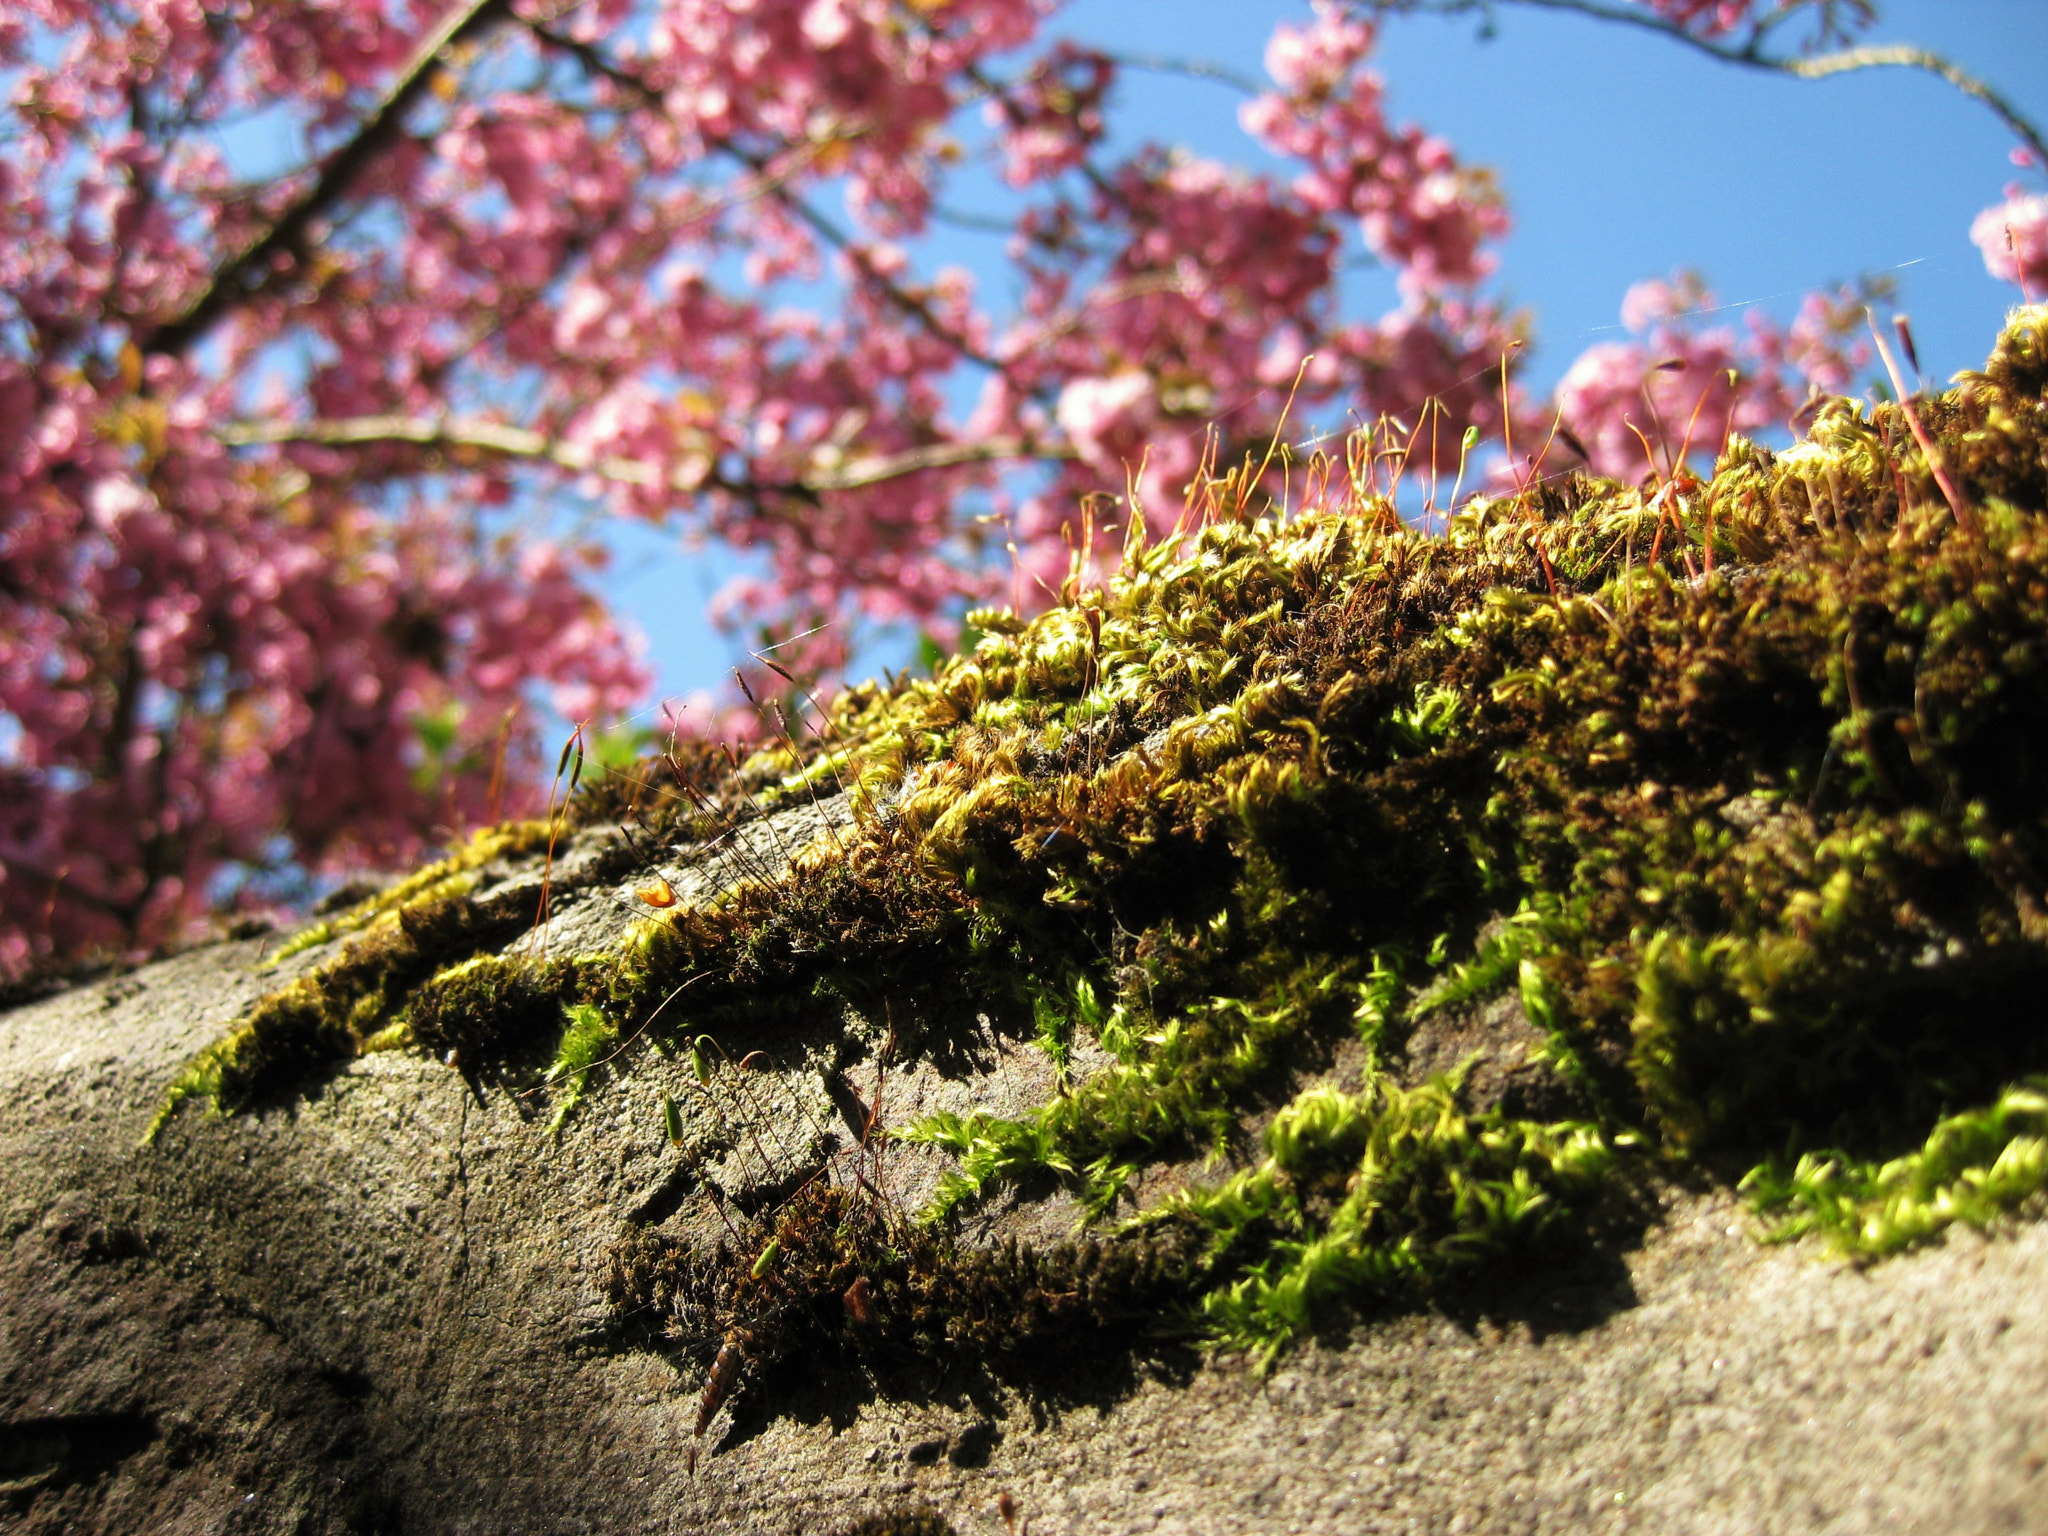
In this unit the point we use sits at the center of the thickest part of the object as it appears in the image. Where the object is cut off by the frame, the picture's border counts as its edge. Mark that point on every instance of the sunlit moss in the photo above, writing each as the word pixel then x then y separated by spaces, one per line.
pixel 1975 1168
pixel 1753 837
pixel 1378 1196
pixel 452 876
pixel 587 1039
pixel 335 1010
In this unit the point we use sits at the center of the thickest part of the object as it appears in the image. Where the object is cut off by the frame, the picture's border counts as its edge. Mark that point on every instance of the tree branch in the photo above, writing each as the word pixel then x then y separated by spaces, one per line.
pixel 1904 56
pixel 62 885
pixel 250 271
pixel 875 468
pixel 452 432
pixel 1188 69
pixel 1750 55
pixel 460 433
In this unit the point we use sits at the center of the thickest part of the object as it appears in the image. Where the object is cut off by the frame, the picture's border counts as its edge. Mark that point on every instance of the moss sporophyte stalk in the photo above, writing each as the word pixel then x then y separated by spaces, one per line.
pixel 1724 803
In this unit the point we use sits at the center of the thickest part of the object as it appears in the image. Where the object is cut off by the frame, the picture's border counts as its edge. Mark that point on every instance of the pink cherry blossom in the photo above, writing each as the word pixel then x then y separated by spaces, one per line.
pixel 2014 239
pixel 1054 115
pixel 1418 208
pixel 1829 21
pixel 1643 407
pixel 1709 18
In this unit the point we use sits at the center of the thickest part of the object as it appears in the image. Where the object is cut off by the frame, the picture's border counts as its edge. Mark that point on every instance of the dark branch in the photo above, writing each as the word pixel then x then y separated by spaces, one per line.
pixel 1189 69
pixel 61 884
pixel 251 270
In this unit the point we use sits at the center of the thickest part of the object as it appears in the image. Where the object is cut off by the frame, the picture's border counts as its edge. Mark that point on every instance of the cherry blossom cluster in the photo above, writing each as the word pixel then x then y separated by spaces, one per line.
pixel 220 668
pixel 1053 117
pixel 2014 235
pixel 1752 21
pixel 295 445
pixel 1708 18
pixel 1643 407
pixel 1420 211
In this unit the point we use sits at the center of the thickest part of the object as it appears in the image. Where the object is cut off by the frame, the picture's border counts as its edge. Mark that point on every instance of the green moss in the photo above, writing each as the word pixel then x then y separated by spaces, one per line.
pixel 832 1279
pixel 335 1010
pixel 452 876
pixel 312 936
pixel 1756 832
pixel 1164 1087
pixel 1975 1168
pixel 588 1039
pixel 487 1005
pixel 1494 965
pixel 1379 1196
pixel 1757 860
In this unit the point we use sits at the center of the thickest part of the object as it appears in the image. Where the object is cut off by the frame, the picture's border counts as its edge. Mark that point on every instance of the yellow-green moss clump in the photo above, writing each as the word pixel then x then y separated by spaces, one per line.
pixel 344 1006
pixel 1739 787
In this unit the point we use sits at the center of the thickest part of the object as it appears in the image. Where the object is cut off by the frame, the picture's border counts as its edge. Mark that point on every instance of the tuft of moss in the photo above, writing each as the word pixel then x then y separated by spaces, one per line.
pixel 1975 1168
pixel 335 1010
pixel 1380 1196
pixel 452 876
pixel 588 1039
pixel 487 1004
pixel 833 1278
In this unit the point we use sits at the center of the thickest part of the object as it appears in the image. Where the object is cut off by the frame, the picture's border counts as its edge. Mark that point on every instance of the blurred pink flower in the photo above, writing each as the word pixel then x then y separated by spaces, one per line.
pixel 2014 239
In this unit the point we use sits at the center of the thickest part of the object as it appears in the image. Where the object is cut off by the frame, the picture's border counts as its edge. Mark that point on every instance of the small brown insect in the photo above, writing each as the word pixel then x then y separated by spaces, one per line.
pixel 860 1306
pixel 725 1370
pixel 1007 1508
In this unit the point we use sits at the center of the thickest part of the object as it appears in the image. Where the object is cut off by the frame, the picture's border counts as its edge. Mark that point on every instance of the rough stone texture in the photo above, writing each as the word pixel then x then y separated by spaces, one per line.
pixel 380 1310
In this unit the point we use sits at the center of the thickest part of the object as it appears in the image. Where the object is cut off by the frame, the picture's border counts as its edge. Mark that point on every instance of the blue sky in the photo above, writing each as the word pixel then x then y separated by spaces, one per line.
pixel 1622 156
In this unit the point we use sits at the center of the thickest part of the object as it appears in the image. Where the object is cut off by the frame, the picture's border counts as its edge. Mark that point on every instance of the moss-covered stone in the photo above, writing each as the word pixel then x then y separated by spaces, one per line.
pixel 1732 786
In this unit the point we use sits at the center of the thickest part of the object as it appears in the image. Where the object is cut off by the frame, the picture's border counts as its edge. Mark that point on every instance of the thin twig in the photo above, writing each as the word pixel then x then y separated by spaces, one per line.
pixel 1751 54
pixel 1958 502
pixel 1192 69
